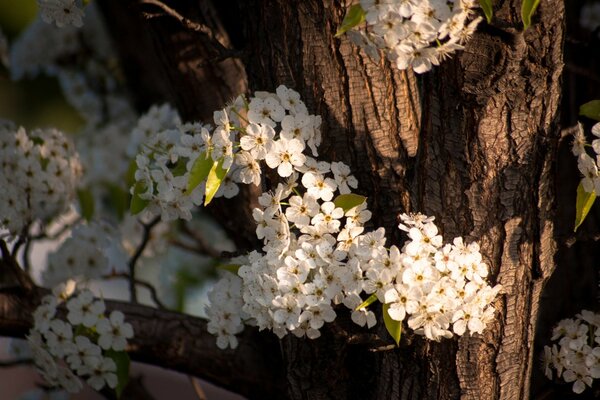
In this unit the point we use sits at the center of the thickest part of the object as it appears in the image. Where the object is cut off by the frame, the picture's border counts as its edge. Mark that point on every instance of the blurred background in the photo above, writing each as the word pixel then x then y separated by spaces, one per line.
pixel 39 102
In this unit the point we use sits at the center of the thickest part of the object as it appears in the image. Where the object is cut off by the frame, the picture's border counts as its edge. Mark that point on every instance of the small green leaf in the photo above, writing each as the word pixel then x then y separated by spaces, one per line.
pixel 44 162
pixel 130 174
pixel 180 168
pixel 372 298
pixel 119 199
pixel 591 110
pixel 121 359
pixel 583 204
pixel 349 201
pixel 90 333
pixel 214 180
pixel 527 9
pixel 488 10
pixel 354 16
pixel 137 203
pixel 86 203
pixel 37 140
pixel 233 268
pixel 200 171
pixel 393 327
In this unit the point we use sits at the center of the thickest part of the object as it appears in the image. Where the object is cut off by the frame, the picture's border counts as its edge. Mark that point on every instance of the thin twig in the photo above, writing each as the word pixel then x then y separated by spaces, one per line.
pixel 138 252
pixel 20 241
pixel 202 246
pixel 189 24
pixel 9 264
pixel 26 255
pixel 197 388
pixel 147 285
pixel 58 233
pixel 16 362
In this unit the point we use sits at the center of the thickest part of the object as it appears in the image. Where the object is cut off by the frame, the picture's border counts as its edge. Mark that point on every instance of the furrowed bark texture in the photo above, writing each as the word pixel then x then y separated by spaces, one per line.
pixel 483 167
pixel 173 341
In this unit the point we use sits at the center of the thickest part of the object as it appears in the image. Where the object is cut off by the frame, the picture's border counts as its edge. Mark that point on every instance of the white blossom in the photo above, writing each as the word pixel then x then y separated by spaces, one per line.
pixel 415 34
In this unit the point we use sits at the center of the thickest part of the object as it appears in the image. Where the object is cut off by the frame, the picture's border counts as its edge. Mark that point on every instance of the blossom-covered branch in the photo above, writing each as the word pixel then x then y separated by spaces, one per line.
pixel 174 341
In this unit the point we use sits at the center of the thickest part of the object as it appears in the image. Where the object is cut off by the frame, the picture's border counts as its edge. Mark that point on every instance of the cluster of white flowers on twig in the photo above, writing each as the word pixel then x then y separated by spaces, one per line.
pixel 575 355
pixel 40 171
pixel 81 346
pixel 62 12
pixel 84 61
pixel 272 127
pixel 416 33
pixel 588 166
pixel 316 255
pixel 86 254
pixel 436 284
pixel 224 316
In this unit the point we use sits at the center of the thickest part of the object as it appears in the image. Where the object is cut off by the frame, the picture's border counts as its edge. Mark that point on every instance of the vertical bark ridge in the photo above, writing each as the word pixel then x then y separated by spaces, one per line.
pixel 486 163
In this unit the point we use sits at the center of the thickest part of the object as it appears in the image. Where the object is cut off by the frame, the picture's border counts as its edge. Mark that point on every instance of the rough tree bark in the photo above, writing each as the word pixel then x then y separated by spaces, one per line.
pixel 483 167
pixel 472 142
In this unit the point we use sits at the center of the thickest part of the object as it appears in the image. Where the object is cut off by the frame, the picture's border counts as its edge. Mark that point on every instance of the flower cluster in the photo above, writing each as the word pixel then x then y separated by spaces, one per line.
pixel 274 127
pixel 82 59
pixel 224 316
pixel 61 12
pixel 416 33
pixel 316 255
pixel 437 285
pixel 588 166
pixel 87 254
pixel 40 174
pixel 81 346
pixel 575 357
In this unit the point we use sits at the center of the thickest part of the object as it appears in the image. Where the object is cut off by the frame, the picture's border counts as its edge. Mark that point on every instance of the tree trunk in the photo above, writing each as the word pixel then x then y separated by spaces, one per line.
pixel 483 167
pixel 472 142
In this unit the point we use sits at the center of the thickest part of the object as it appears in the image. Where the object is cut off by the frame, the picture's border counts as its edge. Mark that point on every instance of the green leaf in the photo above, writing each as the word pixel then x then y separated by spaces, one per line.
pixel 184 280
pixel 349 201
pixel 180 168
pixel 121 359
pixel 130 174
pixel 137 203
pixel 214 180
pixel 199 171
pixel 119 199
pixel 372 298
pixel 354 16
pixel 527 9
pixel 233 268
pixel 583 204
pixel 37 140
pixel 90 333
pixel 488 10
pixel 393 327
pixel 591 109
pixel 86 203
pixel 44 162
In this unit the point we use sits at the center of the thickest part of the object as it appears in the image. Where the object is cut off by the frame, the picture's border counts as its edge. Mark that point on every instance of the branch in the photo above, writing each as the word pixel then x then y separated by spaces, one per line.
pixel 187 23
pixel 138 253
pixel 16 362
pixel 201 245
pixel 11 274
pixel 147 285
pixel 174 341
